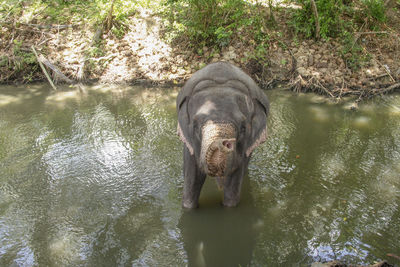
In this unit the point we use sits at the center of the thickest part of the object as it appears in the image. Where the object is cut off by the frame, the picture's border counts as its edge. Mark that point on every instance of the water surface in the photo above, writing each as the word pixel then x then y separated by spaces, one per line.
pixel 95 179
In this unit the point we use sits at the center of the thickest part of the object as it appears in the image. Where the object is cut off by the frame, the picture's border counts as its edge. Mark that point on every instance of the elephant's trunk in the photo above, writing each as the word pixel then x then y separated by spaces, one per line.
pixel 218 147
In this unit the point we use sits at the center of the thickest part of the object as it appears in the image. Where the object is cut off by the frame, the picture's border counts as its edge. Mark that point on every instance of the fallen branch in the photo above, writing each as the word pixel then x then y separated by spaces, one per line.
pixel 43 68
pixel 318 84
pixel 390 88
pixel 378 77
pixel 58 73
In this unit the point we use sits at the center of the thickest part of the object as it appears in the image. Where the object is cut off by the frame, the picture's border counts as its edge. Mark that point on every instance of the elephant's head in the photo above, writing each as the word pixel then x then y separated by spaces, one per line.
pixel 223 127
pixel 221 121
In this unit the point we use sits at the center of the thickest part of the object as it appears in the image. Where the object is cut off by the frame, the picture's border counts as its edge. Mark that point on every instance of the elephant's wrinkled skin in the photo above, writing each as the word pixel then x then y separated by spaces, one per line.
pixel 221 119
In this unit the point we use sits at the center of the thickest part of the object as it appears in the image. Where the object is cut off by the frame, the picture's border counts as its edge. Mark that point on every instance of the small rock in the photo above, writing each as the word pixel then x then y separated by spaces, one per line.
pixel 368 72
pixel 329 79
pixel 337 80
pixel 323 70
pixel 302 71
pixel 389 61
pixel 354 106
pixel 322 64
pixel 310 60
pixel 316 74
pixel 302 61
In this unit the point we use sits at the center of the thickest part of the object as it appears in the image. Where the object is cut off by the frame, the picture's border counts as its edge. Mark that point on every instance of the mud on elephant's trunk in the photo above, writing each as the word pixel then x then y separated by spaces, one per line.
pixel 217 149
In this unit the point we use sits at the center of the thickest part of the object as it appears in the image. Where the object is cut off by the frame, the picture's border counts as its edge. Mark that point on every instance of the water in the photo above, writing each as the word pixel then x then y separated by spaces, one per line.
pixel 95 179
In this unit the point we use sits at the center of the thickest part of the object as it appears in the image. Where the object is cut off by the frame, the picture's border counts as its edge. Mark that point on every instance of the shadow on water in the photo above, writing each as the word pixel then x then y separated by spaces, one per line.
pixel 217 236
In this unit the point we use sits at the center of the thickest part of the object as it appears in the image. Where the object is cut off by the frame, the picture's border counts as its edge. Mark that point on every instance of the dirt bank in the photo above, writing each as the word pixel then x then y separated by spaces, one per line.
pixel 142 54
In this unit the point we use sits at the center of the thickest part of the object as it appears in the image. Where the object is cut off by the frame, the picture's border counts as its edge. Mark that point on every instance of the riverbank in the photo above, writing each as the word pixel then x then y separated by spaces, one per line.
pixel 143 53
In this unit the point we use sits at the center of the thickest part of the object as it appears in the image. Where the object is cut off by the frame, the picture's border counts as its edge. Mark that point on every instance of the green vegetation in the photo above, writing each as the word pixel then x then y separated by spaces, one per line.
pixel 337 17
pixel 216 23
pixel 67 11
pixel 329 12
pixel 340 18
pixel 195 24
pixel 206 22
pixel 213 22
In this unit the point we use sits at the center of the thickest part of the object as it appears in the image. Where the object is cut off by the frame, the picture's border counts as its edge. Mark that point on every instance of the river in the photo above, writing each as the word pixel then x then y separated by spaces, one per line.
pixel 95 179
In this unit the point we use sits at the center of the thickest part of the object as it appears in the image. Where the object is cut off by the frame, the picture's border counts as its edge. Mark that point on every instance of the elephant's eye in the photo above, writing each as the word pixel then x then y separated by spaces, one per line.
pixel 242 129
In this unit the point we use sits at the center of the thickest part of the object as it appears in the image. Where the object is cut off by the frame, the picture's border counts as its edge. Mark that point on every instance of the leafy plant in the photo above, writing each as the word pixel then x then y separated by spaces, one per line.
pixel 352 53
pixel 375 10
pixel 329 12
pixel 206 22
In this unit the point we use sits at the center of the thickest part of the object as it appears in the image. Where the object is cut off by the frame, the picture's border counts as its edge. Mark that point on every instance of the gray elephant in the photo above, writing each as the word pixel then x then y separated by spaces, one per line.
pixel 221 120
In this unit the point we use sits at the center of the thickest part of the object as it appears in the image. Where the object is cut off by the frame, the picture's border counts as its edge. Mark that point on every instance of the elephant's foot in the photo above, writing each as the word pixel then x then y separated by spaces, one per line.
pixel 231 202
pixel 189 204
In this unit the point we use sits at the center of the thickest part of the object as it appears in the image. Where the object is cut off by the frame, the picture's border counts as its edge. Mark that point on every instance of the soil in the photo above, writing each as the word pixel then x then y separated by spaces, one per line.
pixel 143 55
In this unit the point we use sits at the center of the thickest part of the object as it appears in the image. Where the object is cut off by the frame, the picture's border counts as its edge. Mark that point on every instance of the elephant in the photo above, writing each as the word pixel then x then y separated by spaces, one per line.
pixel 222 117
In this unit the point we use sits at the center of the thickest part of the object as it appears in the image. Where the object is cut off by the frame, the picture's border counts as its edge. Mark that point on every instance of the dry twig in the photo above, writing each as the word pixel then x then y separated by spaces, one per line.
pixel 43 68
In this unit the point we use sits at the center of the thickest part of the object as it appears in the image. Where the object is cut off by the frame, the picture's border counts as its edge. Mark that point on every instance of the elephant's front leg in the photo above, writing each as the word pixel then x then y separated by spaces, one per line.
pixel 194 180
pixel 233 185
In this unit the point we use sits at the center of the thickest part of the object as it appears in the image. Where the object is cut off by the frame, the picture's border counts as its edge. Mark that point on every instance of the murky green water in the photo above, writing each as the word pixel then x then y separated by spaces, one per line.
pixel 95 179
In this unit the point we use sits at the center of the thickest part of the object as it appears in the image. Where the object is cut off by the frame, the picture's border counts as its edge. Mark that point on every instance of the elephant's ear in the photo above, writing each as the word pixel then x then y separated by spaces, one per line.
pixel 259 123
pixel 183 122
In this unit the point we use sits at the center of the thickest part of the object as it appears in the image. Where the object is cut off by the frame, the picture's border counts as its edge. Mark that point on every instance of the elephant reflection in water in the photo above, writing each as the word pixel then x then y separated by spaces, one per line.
pixel 219 236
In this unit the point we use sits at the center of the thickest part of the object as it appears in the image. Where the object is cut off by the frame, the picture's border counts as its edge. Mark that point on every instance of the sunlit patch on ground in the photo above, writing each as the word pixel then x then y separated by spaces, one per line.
pixel 145 55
